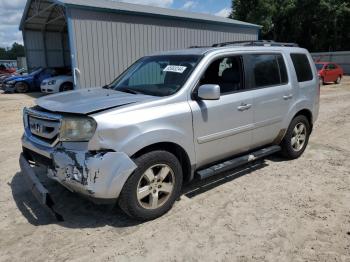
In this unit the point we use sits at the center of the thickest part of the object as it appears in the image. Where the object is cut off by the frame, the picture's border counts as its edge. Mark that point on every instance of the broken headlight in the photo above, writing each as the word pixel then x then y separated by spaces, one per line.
pixel 77 129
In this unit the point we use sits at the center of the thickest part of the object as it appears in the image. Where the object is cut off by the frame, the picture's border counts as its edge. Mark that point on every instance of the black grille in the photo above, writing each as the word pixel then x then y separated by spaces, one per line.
pixel 37 158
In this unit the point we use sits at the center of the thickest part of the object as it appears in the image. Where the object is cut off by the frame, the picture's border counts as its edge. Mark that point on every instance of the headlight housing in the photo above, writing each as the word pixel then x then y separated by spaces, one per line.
pixel 51 82
pixel 77 129
pixel 11 82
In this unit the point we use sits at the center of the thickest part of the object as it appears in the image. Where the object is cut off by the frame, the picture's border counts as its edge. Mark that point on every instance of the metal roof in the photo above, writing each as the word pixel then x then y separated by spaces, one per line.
pixel 121 7
pixel 151 10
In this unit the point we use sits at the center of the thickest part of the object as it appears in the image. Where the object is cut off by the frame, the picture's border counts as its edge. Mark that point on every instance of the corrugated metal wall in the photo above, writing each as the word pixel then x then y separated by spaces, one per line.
pixel 107 43
pixel 57 49
pixel 34 46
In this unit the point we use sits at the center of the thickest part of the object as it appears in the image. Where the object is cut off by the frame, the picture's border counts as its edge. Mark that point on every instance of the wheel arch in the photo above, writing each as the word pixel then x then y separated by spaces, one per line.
pixel 307 113
pixel 303 111
pixel 29 85
pixel 175 149
pixel 65 82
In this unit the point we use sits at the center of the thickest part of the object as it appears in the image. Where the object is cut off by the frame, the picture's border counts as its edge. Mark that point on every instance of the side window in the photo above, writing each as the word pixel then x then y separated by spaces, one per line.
pixel 331 66
pixel 268 70
pixel 302 67
pixel 226 72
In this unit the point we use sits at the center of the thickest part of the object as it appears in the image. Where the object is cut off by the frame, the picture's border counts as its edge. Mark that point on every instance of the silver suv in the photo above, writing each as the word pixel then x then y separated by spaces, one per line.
pixel 169 118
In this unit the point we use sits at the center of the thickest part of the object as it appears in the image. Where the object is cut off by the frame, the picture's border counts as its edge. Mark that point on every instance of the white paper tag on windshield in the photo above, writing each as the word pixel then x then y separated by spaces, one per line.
pixel 175 69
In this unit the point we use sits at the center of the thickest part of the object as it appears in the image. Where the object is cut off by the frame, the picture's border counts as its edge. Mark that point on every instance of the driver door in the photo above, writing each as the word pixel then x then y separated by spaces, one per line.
pixel 223 127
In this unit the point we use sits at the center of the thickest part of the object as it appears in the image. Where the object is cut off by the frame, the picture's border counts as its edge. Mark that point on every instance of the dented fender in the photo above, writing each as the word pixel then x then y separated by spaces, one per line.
pixel 98 175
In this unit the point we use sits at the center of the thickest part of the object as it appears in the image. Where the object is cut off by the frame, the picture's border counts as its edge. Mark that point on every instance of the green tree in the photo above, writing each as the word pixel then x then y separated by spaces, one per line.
pixel 17 50
pixel 319 25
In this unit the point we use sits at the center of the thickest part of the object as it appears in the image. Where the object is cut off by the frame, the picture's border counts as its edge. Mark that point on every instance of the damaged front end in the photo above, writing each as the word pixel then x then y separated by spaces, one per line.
pixel 96 174
pixel 99 175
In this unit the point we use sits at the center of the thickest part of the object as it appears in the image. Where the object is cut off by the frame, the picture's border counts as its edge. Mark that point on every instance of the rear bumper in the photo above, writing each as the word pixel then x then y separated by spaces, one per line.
pixel 36 187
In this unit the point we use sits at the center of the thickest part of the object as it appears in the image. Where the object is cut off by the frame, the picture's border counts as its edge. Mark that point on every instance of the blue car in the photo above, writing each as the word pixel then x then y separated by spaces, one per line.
pixel 32 81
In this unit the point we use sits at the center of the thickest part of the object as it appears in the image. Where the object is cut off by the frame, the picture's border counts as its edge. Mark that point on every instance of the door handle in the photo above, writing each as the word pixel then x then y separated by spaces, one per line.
pixel 244 107
pixel 287 97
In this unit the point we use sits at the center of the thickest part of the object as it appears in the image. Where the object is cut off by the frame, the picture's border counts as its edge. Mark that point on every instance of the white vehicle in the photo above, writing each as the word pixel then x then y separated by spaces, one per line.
pixel 57 84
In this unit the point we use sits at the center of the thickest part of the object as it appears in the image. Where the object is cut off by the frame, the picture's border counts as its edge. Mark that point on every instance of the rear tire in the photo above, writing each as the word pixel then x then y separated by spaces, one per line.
pixel 21 87
pixel 338 80
pixel 67 86
pixel 297 137
pixel 154 186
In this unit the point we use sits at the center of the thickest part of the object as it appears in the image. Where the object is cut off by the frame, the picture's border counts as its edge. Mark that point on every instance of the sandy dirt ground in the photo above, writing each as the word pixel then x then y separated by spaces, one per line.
pixel 274 210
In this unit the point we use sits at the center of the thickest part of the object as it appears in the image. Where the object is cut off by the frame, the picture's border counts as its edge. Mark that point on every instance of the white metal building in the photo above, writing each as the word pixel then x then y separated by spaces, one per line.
pixel 100 38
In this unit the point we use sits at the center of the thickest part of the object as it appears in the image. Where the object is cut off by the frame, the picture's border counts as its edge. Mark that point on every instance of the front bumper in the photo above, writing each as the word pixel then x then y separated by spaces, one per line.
pixel 48 89
pixel 38 190
pixel 8 87
pixel 100 176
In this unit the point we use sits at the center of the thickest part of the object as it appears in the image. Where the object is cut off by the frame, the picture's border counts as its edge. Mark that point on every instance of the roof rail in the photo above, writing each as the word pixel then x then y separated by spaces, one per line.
pixel 199 46
pixel 256 43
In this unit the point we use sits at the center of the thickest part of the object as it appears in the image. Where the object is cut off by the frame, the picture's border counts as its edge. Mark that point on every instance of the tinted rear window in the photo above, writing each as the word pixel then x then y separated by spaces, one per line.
pixel 302 67
pixel 269 70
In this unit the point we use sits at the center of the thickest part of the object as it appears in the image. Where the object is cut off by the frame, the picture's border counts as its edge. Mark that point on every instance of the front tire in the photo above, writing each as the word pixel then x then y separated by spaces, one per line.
pixel 154 186
pixel 322 82
pixel 297 137
pixel 21 87
pixel 67 86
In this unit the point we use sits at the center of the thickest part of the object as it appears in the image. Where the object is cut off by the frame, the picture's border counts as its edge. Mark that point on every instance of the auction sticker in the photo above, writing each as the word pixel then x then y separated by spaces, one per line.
pixel 175 69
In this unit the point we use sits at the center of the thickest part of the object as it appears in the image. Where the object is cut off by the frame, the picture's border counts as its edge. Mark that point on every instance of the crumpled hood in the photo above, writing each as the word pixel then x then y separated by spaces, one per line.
pixel 86 101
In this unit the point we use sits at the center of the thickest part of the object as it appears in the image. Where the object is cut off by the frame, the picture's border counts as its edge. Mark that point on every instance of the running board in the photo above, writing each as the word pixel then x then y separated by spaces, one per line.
pixel 236 162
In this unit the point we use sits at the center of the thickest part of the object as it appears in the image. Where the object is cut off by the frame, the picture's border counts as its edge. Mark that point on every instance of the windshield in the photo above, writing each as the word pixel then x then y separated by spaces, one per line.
pixel 319 66
pixel 156 75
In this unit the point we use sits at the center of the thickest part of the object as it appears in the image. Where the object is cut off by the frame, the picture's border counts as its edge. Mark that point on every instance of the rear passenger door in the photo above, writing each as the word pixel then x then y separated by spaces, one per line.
pixel 272 95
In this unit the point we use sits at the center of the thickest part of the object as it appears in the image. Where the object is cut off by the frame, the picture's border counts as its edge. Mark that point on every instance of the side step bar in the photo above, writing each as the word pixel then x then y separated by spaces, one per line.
pixel 236 162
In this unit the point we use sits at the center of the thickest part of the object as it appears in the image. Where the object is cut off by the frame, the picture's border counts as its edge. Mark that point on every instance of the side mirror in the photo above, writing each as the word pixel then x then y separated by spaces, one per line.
pixel 209 92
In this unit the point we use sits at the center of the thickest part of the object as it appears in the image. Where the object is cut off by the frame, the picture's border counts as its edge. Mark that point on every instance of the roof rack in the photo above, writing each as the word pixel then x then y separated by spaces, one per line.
pixel 199 46
pixel 256 43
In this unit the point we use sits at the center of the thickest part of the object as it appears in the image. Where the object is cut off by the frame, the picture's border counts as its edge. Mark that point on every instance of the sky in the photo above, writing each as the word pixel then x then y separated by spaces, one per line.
pixel 11 13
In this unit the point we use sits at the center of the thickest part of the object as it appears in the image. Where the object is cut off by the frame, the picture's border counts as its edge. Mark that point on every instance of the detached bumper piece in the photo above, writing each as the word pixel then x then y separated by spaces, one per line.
pixel 37 188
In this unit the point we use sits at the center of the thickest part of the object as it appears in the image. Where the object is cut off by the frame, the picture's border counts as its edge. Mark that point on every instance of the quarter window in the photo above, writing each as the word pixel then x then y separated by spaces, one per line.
pixel 283 69
pixel 302 67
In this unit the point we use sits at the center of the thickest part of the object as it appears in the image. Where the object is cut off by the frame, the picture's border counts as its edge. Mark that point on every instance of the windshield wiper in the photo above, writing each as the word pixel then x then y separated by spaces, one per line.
pixel 106 87
pixel 129 90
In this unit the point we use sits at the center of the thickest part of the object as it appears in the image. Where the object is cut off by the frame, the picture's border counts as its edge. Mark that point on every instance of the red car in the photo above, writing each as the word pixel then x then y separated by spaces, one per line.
pixel 329 72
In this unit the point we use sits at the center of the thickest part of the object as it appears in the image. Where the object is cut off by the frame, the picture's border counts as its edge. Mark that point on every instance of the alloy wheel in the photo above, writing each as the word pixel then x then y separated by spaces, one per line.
pixel 155 186
pixel 298 137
